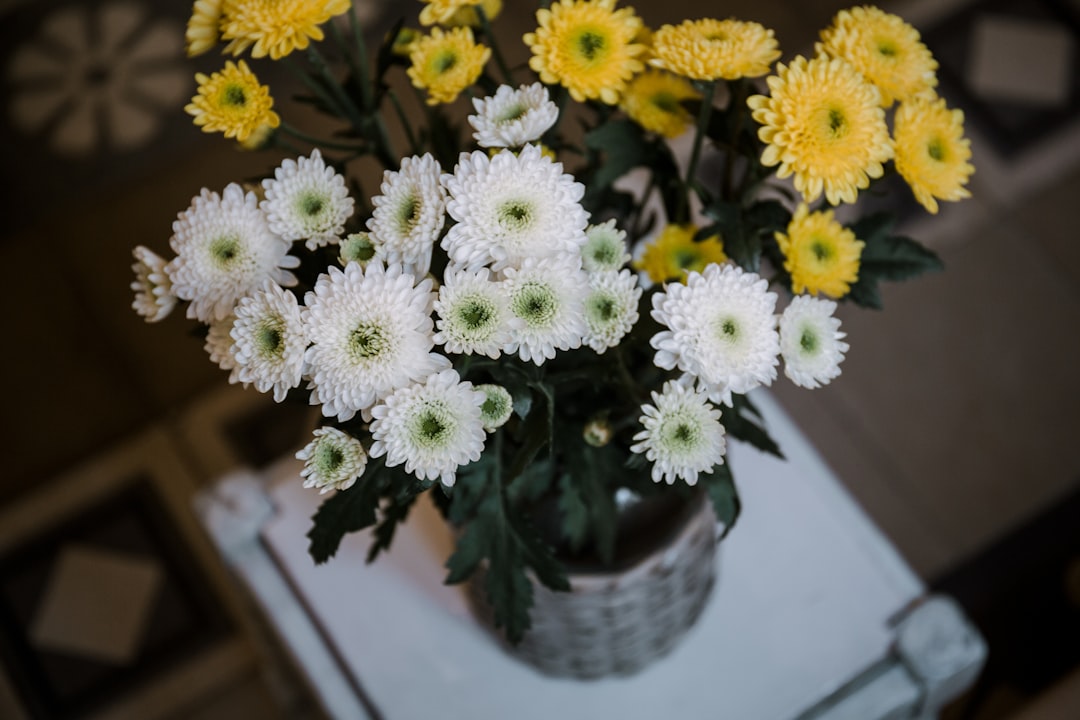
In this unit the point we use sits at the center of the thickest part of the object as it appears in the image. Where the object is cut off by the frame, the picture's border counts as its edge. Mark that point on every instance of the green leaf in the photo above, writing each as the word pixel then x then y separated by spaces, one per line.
pixel 470 550
pixel 393 514
pixel 624 147
pixel 720 486
pixel 344 512
pixel 743 428
pixel 886 257
pixel 575 514
pixel 533 482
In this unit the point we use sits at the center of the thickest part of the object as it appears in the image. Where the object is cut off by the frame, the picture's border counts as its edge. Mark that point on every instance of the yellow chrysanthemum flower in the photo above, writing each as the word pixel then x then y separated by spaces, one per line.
pixel 587 46
pixel 824 124
pixel 445 63
pixel 467 15
pixel 233 102
pixel 439 12
pixel 653 100
pixel 932 153
pixel 820 253
pixel 204 27
pixel 272 28
pixel 674 253
pixel 712 49
pixel 885 49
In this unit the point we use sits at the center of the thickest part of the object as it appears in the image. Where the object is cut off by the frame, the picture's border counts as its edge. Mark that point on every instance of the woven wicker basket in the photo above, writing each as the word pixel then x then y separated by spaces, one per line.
pixel 616 623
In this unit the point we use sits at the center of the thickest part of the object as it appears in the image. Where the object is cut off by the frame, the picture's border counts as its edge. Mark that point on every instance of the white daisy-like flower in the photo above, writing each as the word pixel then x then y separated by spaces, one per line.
pixel 334 460
pixel 811 341
pixel 721 329
pixel 605 248
pixel 371 333
pixel 547 299
pixel 269 340
pixel 473 313
pixel 358 248
pixel 611 308
pixel 225 250
pixel 154 299
pixel 511 118
pixel 410 213
pixel 219 344
pixel 497 407
pixel 307 200
pixel 511 207
pixel 683 435
pixel 433 428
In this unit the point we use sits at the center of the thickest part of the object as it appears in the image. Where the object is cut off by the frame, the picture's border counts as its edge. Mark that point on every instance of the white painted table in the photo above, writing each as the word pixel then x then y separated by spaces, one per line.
pixel 814 614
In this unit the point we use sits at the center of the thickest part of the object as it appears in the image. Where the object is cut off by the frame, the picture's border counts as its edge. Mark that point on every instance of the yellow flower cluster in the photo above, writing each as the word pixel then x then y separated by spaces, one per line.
pixel 715 49
pixel 445 63
pixel 821 255
pixel 269 28
pixel 233 102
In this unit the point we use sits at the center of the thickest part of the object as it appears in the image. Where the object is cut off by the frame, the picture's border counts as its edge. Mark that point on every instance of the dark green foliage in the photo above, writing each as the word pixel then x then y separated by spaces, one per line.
pixel 886 257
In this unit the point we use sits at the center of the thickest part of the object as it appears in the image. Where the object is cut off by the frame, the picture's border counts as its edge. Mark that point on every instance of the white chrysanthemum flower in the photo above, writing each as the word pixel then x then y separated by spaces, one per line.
pixel 683 436
pixel 269 340
pixel 811 341
pixel 497 407
pixel 410 213
pixel 154 299
pixel 306 200
pixel 371 333
pixel 358 248
pixel 511 207
pixel 473 313
pixel 334 460
pixel 219 344
pixel 510 118
pixel 605 248
pixel 721 329
pixel 547 299
pixel 224 251
pixel 432 428
pixel 611 308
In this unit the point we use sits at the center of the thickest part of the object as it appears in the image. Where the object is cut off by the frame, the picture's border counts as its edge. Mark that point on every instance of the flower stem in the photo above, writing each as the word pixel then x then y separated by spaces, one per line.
pixel 494 43
pixel 683 214
pixel 405 122
pixel 318 142
pixel 366 96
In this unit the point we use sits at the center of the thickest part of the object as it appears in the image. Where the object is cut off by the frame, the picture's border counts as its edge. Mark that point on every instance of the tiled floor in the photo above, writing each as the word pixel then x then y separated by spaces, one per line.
pixel 954 420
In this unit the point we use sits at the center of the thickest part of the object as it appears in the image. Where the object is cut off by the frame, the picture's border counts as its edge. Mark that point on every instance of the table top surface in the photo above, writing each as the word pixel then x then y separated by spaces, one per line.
pixel 806 590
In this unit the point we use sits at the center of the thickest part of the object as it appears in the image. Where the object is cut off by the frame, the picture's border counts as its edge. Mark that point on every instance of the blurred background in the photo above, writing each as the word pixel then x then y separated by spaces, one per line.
pixel 955 423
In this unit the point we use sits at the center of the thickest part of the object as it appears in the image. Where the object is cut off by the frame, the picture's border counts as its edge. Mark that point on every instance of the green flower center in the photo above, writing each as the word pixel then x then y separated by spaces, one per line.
pixel 590 45
pixel 685 258
pixel 535 303
pixel 887 48
pixel 936 149
pixel 269 338
pixel 681 435
pixel 515 215
pixel 512 113
pixel 601 309
pixel 476 313
pixel 311 204
pixel 433 426
pixel 224 250
pixel 667 102
pixel 808 341
pixel 821 251
pixel 727 329
pixel 358 247
pixel 836 123
pixel 603 253
pixel 408 214
pixel 234 96
pixel 444 61
pixel 367 341
pixel 494 407
pixel 328 459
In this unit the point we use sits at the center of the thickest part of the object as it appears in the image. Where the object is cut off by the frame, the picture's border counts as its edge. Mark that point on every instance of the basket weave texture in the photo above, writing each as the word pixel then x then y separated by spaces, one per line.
pixel 617 623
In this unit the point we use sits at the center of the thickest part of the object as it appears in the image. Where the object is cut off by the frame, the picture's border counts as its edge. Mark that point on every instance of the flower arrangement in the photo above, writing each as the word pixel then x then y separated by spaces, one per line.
pixel 508 321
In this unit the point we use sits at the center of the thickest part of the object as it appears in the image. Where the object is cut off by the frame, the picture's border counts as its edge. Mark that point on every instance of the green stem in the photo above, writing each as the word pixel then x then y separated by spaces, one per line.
pixel 738 98
pixel 319 142
pixel 366 90
pixel 635 228
pixel 627 379
pixel 485 24
pixel 405 122
pixel 327 99
pixel 683 213
pixel 351 111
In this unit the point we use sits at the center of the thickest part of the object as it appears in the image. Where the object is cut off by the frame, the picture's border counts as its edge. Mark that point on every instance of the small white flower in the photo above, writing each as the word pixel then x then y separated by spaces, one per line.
pixel 219 344
pixel 511 118
pixel 432 428
pixel 473 313
pixel 811 341
pixel 547 300
pixel 154 299
pixel 683 435
pixel 306 200
pixel 269 340
pixel 605 248
pixel 511 207
pixel 721 329
pixel 358 248
pixel 224 251
pixel 611 308
pixel 371 333
pixel 410 213
pixel 334 460
pixel 497 407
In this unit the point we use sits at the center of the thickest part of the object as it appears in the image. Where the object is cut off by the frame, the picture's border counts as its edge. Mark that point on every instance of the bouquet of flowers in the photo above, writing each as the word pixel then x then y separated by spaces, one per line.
pixel 553 307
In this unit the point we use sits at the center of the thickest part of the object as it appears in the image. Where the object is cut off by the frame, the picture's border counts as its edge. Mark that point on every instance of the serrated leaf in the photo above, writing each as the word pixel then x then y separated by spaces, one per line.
pixel 720 485
pixel 469 551
pixel 743 428
pixel 533 482
pixel 391 516
pixel 886 257
pixel 346 511
pixel 624 147
pixel 575 514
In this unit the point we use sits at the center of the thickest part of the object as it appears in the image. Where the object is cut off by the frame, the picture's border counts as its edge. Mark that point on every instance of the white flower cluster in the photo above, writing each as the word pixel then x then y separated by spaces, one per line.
pixel 527 276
